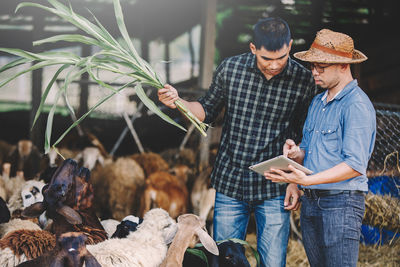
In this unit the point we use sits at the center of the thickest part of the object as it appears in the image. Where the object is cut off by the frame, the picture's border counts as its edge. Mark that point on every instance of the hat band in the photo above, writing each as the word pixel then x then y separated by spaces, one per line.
pixel 331 50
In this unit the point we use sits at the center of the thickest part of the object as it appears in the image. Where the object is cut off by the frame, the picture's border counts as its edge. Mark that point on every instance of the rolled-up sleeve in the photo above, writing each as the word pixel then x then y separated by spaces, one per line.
pixel 358 135
pixel 213 100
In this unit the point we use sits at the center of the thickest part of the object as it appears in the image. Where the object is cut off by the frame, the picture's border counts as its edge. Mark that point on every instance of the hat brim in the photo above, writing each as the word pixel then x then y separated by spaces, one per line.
pixel 318 56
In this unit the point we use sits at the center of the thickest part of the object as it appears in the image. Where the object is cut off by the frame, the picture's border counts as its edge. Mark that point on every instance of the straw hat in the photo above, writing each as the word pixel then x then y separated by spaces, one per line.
pixel 332 47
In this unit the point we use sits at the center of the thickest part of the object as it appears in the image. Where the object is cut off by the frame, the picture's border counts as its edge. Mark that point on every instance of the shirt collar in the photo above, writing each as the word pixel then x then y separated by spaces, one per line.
pixel 339 95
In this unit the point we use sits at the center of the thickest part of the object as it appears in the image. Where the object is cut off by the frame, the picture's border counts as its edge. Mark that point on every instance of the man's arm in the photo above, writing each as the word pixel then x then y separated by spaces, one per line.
pixel 338 173
pixel 168 95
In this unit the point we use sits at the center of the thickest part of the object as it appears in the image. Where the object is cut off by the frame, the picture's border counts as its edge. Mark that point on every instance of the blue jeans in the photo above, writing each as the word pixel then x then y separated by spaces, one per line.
pixel 231 218
pixel 331 229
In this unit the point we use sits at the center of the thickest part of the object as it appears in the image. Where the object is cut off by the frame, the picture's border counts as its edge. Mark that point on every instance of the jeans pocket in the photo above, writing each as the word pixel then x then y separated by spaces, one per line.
pixel 335 202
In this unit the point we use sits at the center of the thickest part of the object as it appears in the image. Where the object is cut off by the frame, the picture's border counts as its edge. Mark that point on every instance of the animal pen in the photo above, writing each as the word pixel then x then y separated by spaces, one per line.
pixel 134 139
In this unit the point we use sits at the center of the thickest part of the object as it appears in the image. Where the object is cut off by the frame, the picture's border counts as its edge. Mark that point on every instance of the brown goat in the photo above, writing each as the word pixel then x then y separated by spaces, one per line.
pixel 69 252
pixel 25 157
pixel 68 201
pixel 165 191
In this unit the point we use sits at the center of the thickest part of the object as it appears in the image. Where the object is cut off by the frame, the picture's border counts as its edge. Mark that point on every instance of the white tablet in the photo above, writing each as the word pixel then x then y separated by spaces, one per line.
pixel 280 162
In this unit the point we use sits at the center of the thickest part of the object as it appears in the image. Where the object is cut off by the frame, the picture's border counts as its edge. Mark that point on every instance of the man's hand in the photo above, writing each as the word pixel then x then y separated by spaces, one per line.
pixel 168 95
pixel 292 197
pixel 290 149
pixel 294 176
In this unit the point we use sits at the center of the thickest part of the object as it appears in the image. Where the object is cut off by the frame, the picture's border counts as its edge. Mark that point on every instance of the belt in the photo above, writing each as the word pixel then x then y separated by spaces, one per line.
pixel 317 193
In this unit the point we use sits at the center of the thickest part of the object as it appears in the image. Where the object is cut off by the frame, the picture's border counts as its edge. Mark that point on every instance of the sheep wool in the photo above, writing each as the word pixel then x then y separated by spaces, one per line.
pixel 145 247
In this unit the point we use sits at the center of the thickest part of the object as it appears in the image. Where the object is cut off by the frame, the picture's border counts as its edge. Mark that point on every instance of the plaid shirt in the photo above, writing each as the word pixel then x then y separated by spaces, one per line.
pixel 260 115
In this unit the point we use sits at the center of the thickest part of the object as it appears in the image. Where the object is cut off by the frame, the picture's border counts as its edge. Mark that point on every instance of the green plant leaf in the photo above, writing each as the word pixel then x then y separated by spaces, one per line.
pixel 199 253
pixel 49 125
pixel 90 111
pixel 73 38
pixel 153 107
pixel 46 92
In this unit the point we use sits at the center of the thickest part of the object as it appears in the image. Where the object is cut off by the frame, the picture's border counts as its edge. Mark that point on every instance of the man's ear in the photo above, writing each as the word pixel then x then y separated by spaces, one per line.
pixel 290 45
pixel 253 48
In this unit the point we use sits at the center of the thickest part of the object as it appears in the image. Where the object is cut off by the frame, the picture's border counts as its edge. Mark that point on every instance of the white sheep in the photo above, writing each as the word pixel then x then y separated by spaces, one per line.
pixel 145 247
pixel 89 157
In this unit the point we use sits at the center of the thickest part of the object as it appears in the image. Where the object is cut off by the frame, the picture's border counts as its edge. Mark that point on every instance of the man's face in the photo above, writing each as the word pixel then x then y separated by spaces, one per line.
pixel 271 63
pixel 325 75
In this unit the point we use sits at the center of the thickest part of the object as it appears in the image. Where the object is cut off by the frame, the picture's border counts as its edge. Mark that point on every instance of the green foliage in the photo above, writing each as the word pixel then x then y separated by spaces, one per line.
pixel 116 56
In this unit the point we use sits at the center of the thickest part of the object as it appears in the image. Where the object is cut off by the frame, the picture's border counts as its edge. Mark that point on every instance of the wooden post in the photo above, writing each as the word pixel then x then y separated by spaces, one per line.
pixel 207 51
pixel 36 134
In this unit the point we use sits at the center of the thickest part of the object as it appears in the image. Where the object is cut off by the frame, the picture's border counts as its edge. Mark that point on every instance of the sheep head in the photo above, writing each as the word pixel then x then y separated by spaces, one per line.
pixel 58 195
pixel 190 231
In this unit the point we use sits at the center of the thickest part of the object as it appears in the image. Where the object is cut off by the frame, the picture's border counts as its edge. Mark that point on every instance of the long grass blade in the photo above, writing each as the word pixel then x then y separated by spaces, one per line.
pixel 90 111
pixel 150 105
pixel 73 38
pixel 46 92
pixel 14 63
pixel 49 125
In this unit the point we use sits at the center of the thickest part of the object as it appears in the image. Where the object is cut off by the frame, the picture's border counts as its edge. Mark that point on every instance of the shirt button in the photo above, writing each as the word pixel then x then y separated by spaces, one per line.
pixel 323 109
pixel 309 152
pixel 316 131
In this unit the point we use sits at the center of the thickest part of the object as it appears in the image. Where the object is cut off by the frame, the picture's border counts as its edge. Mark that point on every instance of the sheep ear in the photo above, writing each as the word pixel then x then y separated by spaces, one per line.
pixel 90 260
pixel 207 241
pixel 70 215
pixel 34 210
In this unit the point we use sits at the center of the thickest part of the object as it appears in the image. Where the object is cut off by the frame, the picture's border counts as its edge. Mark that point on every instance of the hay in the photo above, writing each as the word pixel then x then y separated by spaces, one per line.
pixel 374 256
pixel 382 212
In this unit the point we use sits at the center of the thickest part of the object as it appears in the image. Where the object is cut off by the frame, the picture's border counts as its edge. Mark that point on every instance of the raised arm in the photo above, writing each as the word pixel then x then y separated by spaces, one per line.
pixel 168 95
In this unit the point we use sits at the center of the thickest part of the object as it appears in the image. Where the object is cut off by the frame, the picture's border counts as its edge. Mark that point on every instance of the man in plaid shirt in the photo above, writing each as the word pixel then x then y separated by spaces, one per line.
pixel 266 95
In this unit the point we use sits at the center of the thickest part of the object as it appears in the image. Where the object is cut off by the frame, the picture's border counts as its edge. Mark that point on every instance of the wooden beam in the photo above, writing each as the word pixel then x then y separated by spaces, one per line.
pixel 207 51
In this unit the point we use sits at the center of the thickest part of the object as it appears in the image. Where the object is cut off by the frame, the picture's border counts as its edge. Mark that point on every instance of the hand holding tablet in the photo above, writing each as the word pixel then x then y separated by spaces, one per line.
pixel 280 162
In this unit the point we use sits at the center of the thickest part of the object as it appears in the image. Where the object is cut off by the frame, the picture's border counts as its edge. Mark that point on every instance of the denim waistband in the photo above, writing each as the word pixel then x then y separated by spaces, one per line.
pixel 317 193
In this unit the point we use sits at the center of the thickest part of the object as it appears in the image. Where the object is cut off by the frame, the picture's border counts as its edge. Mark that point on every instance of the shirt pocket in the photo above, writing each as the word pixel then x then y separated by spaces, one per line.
pixel 307 133
pixel 330 137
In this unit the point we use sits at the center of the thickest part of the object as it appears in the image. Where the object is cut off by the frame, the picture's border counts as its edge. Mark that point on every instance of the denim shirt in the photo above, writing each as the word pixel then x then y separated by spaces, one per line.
pixel 342 130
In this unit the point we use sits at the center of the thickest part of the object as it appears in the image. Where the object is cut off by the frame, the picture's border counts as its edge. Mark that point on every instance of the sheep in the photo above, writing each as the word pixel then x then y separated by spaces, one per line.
pixel 22 245
pixel 203 196
pixel 150 162
pixel 117 185
pixel 31 192
pixel 110 225
pixel 4 212
pixel 145 247
pixel 25 157
pixel 89 157
pixel 5 149
pixel 231 254
pixel 17 224
pixel 128 224
pixel 165 191
pixel 68 201
pixel 11 185
pixel 190 231
pixel 69 252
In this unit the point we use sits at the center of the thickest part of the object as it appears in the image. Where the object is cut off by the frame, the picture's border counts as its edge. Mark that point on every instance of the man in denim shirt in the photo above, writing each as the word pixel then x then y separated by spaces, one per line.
pixel 338 139
pixel 265 95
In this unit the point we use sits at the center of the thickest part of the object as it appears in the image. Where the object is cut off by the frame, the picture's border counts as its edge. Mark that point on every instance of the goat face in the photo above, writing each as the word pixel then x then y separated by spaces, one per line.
pixel 61 183
pixel 73 251
pixel 59 195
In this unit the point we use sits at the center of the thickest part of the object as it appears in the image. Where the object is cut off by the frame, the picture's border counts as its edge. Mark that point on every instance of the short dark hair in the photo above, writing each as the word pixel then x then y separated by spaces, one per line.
pixel 271 33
